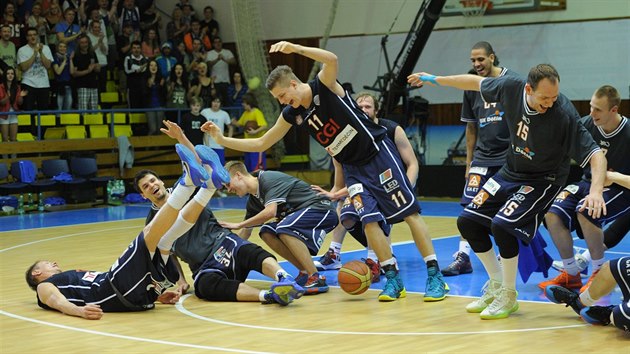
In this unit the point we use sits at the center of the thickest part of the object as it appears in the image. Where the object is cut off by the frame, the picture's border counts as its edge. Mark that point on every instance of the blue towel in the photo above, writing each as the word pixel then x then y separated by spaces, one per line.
pixel 533 257
pixel 63 177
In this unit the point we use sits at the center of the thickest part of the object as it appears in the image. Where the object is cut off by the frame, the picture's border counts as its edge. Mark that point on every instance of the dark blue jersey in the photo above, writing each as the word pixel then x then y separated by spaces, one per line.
pixel 338 124
pixel 137 276
pixel 541 145
pixel 616 145
pixel 391 126
pixel 493 137
pixel 201 241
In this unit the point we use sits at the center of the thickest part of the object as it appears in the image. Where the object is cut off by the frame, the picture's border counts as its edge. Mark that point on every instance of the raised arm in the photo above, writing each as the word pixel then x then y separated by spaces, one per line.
pixel 463 82
pixel 51 296
pixel 330 67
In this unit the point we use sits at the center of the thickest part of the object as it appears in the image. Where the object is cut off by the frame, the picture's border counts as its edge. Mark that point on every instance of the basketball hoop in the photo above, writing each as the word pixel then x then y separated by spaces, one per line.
pixel 473 11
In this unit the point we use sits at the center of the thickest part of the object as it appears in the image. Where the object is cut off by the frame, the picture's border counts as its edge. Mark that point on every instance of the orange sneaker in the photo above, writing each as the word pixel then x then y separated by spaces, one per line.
pixel 588 283
pixel 564 279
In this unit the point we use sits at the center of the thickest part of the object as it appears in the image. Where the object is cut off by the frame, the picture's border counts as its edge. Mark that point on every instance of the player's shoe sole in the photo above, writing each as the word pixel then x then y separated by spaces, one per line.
pixel 209 157
pixel 194 173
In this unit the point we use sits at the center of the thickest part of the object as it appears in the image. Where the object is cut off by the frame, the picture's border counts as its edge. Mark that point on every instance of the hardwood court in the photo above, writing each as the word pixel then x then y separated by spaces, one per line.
pixel 333 322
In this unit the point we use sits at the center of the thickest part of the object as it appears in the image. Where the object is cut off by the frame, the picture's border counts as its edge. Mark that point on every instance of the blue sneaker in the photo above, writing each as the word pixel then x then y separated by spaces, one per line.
pixel 394 288
pixel 436 288
pixel 284 292
pixel 597 315
pixel 561 295
pixel 194 174
pixel 210 158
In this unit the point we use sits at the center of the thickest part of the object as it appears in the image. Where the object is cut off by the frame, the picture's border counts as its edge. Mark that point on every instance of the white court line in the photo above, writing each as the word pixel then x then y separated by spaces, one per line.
pixel 181 308
pixel 120 336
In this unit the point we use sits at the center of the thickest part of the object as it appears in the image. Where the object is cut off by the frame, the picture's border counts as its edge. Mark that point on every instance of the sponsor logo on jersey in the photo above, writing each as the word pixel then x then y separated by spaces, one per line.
pixel 523 151
pixel 346 202
pixel 525 189
pixel 386 176
pixel 391 186
pixel 474 181
pixel 341 140
pixel 494 118
pixel 299 120
pixel 491 186
pixel 572 188
pixel 518 197
pixel 562 196
pixel 604 143
pixel 526 119
pixel 480 198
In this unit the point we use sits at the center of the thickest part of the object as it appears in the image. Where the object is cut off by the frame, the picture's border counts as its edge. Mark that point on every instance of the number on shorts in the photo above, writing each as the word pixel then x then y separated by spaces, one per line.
pixel 399 199
pixel 510 208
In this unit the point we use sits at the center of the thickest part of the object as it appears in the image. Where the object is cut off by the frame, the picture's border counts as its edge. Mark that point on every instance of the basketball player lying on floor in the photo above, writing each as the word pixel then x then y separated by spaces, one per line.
pixel 219 260
pixel 126 286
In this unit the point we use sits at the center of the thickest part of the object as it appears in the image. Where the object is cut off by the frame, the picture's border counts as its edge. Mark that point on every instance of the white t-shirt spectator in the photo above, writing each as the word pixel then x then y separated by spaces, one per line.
pixel 220 70
pixel 37 75
pixel 220 118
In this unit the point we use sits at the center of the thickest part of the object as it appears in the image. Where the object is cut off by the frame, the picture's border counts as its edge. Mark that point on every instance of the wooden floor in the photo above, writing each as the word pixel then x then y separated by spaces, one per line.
pixel 328 323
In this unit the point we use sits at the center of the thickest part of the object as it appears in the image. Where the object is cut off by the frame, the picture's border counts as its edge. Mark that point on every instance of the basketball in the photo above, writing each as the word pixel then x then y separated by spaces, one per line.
pixel 354 277
pixel 251 124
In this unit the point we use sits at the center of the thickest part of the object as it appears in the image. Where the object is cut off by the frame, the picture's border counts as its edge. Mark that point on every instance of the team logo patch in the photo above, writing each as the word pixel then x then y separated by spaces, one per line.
pixel 474 181
pixel 562 196
pixel 492 186
pixel 525 189
pixel 391 186
pixel 346 202
pixel 480 198
pixel 386 176
pixel 355 189
pixel 357 202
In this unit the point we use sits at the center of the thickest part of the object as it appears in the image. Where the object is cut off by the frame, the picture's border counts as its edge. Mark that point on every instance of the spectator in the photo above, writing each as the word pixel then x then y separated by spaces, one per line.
pixel 188 14
pixel 135 65
pixel 192 122
pixel 129 13
pixel 84 68
pixel 166 62
pixel 9 18
pixel 221 119
pixel 11 97
pixel 236 91
pixel 70 4
pixel 67 30
pixel 176 28
pixel 8 53
pixel 24 8
pixel 195 33
pixel 123 46
pixel 176 91
pixel 36 20
pixel 209 25
pixel 154 96
pixel 220 59
pixel 99 44
pixel 108 16
pixel 34 59
pixel 53 17
pixel 255 125
pixel 63 84
pixel 202 86
pixel 197 56
pixel 151 19
pixel 150 44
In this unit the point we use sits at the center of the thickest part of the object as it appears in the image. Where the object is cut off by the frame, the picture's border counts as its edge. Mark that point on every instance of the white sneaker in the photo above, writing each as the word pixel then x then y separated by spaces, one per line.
pixel 504 304
pixel 582 263
pixel 489 291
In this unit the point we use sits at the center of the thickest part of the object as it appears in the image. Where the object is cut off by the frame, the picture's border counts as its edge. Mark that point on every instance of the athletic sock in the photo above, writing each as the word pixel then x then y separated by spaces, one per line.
pixel 586 299
pixel 283 273
pixel 179 227
pixel 261 295
pixel 597 263
pixel 570 265
pixel 180 196
pixel 336 247
pixel 372 255
pixel 510 269
pixel 203 196
pixel 491 264
pixel 464 246
pixel 390 262
pixel 431 257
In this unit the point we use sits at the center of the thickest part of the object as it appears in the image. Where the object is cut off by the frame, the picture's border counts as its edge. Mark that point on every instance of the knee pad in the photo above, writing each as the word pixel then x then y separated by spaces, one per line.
pixel 212 286
pixel 508 244
pixel 477 235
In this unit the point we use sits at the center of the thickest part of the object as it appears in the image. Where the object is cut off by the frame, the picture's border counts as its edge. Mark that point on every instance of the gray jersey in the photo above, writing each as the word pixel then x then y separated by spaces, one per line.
pixel 541 145
pixel 288 192
pixel 616 145
pixel 493 137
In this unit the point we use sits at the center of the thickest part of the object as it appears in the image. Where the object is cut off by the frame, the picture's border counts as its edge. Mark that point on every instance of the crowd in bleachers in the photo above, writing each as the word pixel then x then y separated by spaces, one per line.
pixel 89 55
